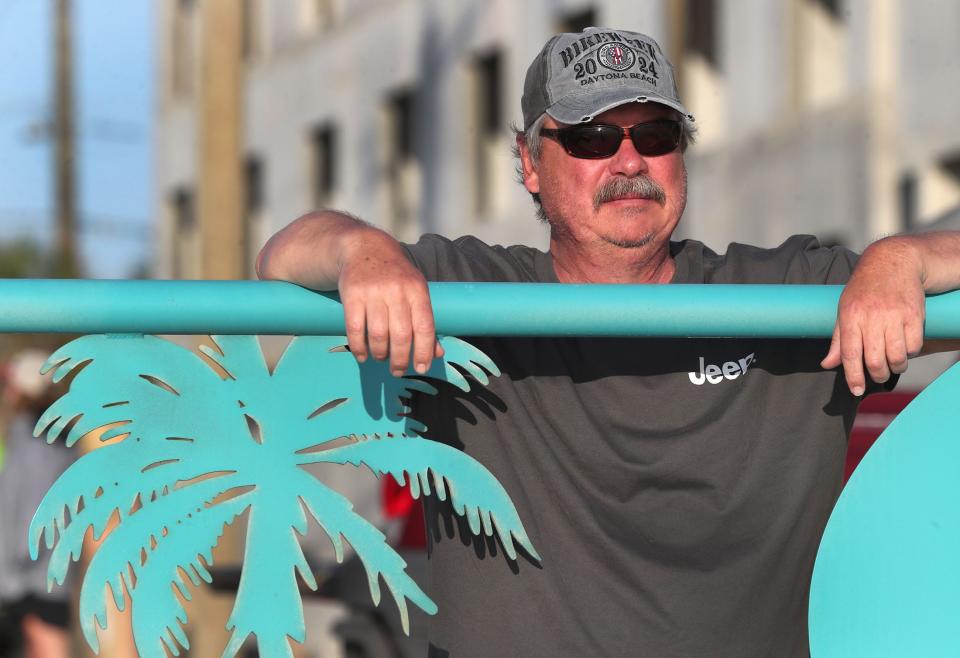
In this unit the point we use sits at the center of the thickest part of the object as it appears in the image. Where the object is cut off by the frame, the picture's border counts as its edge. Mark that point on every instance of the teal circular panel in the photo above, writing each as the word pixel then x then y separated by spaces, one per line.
pixel 887 576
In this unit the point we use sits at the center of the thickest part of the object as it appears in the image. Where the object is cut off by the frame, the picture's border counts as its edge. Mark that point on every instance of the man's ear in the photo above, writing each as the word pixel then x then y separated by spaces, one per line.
pixel 531 180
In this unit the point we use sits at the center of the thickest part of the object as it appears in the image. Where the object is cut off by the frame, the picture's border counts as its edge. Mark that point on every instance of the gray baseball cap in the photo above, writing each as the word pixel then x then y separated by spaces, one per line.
pixel 579 75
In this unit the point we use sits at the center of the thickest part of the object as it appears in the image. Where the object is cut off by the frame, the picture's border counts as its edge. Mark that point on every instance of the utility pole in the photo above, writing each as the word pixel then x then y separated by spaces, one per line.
pixel 220 214
pixel 64 181
pixel 220 141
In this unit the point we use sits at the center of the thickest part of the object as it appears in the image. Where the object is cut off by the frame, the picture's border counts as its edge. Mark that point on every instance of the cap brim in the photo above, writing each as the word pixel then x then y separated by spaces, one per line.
pixel 581 107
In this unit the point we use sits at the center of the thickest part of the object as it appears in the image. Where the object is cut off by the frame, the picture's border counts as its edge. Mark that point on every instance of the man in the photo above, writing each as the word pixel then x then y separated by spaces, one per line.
pixel 35 618
pixel 677 514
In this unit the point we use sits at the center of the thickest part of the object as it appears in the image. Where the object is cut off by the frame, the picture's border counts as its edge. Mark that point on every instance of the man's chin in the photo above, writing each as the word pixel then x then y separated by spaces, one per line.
pixel 630 243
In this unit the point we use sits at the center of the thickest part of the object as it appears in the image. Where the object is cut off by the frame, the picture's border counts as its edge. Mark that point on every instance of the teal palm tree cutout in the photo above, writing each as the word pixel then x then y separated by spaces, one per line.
pixel 209 440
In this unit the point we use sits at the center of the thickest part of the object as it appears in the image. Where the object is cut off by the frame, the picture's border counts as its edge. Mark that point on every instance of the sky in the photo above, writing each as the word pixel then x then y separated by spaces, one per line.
pixel 113 101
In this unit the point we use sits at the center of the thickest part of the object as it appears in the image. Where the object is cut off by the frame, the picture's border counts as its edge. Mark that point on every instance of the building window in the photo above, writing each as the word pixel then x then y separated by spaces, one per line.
pixel 253 207
pixel 251 17
pixel 699 67
pixel 832 8
pixel 951 166
pixel 253 186
pixel 939 187
pixel 402 124
pixel 181 47
pixel 907 198
pixel 701 30
pixel 489 78
pixel 184 250
pixel 577 21
pixel 489 143
pixel 185 218
pixel 403 168
pixel 324 159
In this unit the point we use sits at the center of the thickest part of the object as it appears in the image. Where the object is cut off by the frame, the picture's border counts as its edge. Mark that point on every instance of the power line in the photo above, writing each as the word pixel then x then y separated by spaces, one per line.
pixel 23 220
pixel 115 131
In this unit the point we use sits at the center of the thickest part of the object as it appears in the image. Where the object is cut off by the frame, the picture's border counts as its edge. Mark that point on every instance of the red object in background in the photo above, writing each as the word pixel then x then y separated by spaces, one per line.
pixel 875 413
pixel 398 503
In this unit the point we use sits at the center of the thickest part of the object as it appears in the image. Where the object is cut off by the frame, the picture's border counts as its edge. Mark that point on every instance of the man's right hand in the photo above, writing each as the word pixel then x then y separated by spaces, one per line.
pixel 386 301
pixel 386 304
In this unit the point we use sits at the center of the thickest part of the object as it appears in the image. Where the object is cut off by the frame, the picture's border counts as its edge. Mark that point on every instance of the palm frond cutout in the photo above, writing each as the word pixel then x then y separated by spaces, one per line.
pixel 203 440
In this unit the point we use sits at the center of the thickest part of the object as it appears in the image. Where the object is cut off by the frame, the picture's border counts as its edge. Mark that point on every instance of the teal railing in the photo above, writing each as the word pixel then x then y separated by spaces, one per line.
pixel 886 580
pixel 475 309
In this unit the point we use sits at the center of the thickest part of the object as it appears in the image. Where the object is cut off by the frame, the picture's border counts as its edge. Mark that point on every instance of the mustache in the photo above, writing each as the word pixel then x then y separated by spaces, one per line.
pixel 641 186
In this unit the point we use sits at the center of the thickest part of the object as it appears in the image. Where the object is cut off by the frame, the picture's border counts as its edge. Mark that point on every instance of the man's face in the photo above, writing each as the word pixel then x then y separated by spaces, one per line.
pixel 584 200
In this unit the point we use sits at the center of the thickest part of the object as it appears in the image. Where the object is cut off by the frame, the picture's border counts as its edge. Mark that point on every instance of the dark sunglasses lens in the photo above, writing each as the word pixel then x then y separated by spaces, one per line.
pixel 592 141
pixel 656 137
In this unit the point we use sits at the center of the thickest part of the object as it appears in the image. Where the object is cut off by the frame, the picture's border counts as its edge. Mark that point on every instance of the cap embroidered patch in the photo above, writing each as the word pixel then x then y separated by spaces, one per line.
pixel 616 56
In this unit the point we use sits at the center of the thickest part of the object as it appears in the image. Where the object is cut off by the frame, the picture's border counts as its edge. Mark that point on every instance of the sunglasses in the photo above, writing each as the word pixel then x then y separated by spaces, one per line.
pixel 595 141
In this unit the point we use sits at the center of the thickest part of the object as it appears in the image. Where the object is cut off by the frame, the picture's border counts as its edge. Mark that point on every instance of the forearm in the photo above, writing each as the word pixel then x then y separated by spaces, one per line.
pixel 935 256
pixel 312 250
pixel 386 301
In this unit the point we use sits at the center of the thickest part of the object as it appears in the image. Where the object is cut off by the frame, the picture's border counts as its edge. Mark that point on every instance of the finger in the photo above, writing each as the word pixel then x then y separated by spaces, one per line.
pixel 378 330
pixel 913 334
pixel 832 359
pixel 875 353
pixel 355 321
pixel 401 337
pixel 424 333
pixel 896 349
pixel 438 351
pixel 851 355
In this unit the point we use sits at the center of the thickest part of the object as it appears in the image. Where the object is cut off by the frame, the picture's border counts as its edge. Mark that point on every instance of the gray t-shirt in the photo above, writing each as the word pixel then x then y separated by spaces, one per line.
pixel 676 489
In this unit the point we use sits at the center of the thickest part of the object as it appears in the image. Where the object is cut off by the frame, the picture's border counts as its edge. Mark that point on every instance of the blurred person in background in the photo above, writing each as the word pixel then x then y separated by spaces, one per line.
pixel 35 621
pixel 677 489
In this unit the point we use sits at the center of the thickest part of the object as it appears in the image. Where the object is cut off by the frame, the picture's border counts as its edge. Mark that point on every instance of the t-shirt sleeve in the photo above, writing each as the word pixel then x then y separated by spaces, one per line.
pixel 470 259
pixel 800 259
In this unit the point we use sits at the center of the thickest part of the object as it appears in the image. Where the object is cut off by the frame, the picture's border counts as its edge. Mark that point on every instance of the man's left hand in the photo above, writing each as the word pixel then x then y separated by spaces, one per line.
pixel 881 313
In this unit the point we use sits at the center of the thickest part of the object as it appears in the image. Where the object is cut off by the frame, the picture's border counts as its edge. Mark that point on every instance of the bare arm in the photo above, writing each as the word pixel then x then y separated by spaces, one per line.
pixel 309 251
pixel 386 302
pixel 939 254
pixel 881 313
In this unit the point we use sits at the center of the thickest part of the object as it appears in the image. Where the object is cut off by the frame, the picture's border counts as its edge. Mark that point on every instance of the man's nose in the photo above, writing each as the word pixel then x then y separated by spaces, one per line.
pixel 627 161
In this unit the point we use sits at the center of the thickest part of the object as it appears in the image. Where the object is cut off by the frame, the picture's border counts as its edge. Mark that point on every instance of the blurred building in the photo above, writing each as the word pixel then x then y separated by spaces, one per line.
pixel 835 117
pixel 832 117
